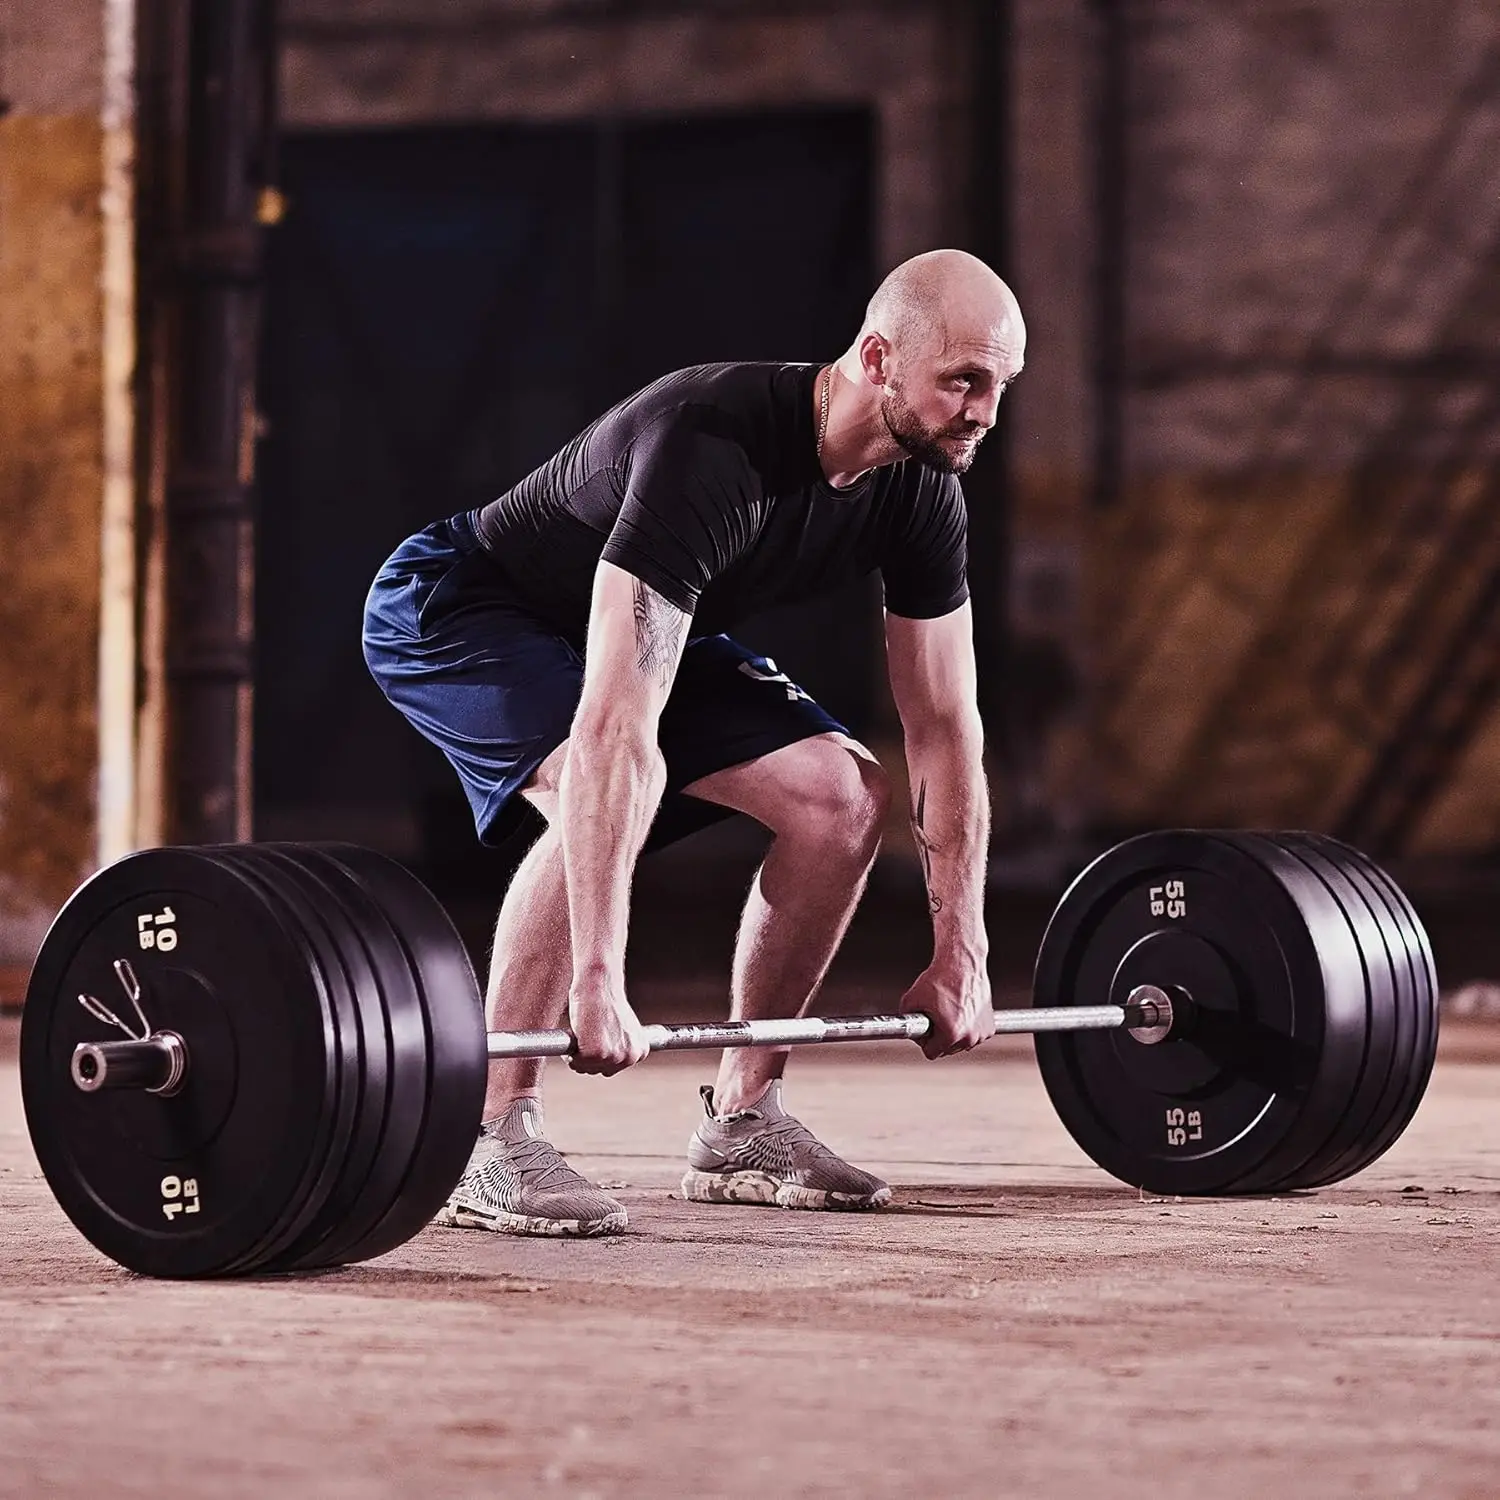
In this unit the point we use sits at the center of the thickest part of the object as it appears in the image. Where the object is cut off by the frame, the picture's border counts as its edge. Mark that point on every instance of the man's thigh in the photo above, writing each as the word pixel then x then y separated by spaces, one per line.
pixel 824 772
pixel 492 687
pixel 730 710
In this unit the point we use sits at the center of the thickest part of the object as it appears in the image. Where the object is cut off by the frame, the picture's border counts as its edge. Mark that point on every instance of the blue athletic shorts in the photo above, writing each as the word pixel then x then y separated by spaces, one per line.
pixel 494 688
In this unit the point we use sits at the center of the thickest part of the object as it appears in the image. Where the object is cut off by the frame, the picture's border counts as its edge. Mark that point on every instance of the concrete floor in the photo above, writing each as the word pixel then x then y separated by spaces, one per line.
pixel 1017 1324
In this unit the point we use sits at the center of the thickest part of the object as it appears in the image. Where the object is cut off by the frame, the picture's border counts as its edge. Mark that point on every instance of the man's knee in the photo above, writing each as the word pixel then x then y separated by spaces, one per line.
pixel 542 787
pixel 839 799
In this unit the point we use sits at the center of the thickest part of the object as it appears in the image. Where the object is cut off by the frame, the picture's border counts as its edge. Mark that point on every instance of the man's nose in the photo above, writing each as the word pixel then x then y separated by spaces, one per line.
pixel 982 410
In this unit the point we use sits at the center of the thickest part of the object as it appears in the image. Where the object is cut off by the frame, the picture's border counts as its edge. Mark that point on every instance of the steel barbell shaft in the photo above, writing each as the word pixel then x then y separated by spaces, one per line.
pixel 808 1030
pixel 158 1063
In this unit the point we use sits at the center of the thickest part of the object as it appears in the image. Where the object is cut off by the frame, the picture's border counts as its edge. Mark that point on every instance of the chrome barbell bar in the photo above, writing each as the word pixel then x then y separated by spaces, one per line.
pixel 1147 1014
pixel 159 1063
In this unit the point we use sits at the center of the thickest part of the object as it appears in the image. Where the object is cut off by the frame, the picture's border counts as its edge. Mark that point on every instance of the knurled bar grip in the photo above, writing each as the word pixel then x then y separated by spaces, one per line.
pixel 806 1030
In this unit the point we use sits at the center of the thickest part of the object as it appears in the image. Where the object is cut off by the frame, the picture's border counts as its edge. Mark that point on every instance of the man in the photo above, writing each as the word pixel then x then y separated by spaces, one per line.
pixel 563 645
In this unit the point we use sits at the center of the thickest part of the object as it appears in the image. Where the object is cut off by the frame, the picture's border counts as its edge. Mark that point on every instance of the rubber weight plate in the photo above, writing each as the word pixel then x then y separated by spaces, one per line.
pixel 451 1013
pixel 1416 1046
pixel 398 1073
pixel 1353 1112
pixel 1273 1034
pixel 189 1185
pixel 1392 1016
pixel 362 1058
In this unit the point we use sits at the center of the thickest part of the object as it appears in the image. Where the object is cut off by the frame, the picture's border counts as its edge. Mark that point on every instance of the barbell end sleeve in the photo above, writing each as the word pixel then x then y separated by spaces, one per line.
pixel 1026 1019
pixel 156 1064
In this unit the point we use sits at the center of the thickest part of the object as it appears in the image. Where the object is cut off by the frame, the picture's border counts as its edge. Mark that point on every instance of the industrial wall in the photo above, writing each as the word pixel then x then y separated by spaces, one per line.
pixel 52 454
pixel 1247 551
pixel 1250 552
pixel 1295 563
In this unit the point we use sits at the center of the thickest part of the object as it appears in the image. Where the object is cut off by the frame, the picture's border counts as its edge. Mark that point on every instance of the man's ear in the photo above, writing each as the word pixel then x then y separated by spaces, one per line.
pixel 875 358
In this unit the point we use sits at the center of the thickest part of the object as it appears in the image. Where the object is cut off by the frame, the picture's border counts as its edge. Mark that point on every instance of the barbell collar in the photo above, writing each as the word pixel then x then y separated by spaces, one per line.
pixel 1151 1014
pixel 157 1063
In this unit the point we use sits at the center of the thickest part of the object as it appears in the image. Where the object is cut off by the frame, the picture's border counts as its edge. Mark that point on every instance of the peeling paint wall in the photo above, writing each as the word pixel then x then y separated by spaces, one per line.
pixel 50 458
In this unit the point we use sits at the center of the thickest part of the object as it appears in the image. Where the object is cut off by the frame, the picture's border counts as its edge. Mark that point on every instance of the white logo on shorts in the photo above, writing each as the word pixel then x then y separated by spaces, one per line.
pixel 771 674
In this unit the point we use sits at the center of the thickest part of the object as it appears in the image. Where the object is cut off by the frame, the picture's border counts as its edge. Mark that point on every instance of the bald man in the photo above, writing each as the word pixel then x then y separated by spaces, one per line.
pixel 565 646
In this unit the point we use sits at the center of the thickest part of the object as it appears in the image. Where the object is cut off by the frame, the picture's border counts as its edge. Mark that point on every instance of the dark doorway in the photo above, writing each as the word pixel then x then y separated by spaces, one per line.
pixel 445 308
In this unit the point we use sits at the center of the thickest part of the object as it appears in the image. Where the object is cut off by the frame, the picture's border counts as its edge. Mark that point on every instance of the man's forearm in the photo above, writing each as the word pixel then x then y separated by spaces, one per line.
pixel 611 785
pixel 950 812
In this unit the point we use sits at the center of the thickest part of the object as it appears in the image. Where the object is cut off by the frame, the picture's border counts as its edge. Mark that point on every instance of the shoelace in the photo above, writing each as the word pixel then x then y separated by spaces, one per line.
pixel 794 1133
pixel 523 1157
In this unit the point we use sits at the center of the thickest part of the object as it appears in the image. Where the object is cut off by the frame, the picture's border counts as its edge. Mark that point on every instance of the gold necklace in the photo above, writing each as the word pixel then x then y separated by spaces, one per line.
pixel 827 374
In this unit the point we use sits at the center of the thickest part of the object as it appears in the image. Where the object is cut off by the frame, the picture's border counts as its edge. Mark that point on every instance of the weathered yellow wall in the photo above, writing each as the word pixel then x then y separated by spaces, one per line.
pixel 50 478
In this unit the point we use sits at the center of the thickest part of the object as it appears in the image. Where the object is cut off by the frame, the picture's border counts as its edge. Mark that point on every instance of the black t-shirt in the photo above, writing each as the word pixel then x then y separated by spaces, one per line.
pixel 706 485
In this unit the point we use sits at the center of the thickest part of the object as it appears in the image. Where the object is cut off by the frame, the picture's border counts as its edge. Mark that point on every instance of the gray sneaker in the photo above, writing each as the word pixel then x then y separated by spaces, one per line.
pixel 518 1183
pixel 764 1155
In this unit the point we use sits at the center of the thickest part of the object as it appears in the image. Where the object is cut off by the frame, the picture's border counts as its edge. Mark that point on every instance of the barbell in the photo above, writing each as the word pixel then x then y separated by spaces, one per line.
pixel 272 1057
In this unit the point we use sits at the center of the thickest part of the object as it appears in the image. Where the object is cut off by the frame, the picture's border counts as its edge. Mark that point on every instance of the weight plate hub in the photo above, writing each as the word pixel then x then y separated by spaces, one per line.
pixel 193 1184
pixel 1272 1048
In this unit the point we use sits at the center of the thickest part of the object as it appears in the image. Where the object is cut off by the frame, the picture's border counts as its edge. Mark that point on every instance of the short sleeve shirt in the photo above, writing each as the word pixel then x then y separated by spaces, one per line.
pixel 706 485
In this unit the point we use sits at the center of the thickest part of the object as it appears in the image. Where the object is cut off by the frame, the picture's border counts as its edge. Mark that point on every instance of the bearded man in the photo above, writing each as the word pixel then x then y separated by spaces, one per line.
pixel 565 645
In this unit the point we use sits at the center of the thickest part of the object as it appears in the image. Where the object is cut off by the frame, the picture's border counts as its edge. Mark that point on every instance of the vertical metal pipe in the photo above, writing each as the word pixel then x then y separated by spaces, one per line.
pixel 209 517
pixel 160 84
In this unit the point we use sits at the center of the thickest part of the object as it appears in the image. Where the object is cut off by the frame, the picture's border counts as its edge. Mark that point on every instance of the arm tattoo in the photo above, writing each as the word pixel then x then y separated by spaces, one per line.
pixel 926 849
pixel 653 636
